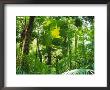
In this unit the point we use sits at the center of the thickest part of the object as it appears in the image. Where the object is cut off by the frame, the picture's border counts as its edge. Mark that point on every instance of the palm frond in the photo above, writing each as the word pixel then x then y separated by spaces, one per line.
pixel 79 71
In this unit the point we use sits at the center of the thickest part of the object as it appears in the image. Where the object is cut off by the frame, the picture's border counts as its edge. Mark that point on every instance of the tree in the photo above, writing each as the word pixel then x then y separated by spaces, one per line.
pixel 26 35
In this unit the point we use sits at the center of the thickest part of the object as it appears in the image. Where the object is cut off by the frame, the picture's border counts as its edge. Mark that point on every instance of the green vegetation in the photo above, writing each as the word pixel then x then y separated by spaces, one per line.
pixel 54 44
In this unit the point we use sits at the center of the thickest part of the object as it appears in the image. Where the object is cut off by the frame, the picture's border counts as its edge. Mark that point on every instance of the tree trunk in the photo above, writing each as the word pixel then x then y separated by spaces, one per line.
pixel 65 47
pixel 49 55
pixel 49 48
pixel 83 50
pixel 76 38
pixel 57 71
pixel 28 35
pixel 75 42
pixel 70 57
pixel 38 49
pixel 26 42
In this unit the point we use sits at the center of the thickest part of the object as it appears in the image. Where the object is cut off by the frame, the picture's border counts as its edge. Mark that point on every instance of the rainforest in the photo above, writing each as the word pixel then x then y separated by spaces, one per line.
pixel 55 45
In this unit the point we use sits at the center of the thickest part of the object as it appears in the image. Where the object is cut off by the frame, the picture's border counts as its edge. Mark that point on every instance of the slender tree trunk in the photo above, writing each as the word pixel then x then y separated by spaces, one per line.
pixel 76 38
pixel 70 57
pixel 65 47
pixel 49 55
pixel 57 71
pixel 28 35
pixel 38 49
pixel 26 42
pixel 75 43
pixel 49 58
pixel 83 50
pixel 23 33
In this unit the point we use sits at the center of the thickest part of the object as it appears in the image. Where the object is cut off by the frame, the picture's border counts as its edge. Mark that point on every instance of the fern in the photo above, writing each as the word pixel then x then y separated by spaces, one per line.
pixel 79 71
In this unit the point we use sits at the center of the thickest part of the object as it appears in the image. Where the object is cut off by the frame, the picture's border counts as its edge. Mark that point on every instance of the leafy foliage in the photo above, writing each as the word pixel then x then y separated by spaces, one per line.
pixel 55 44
